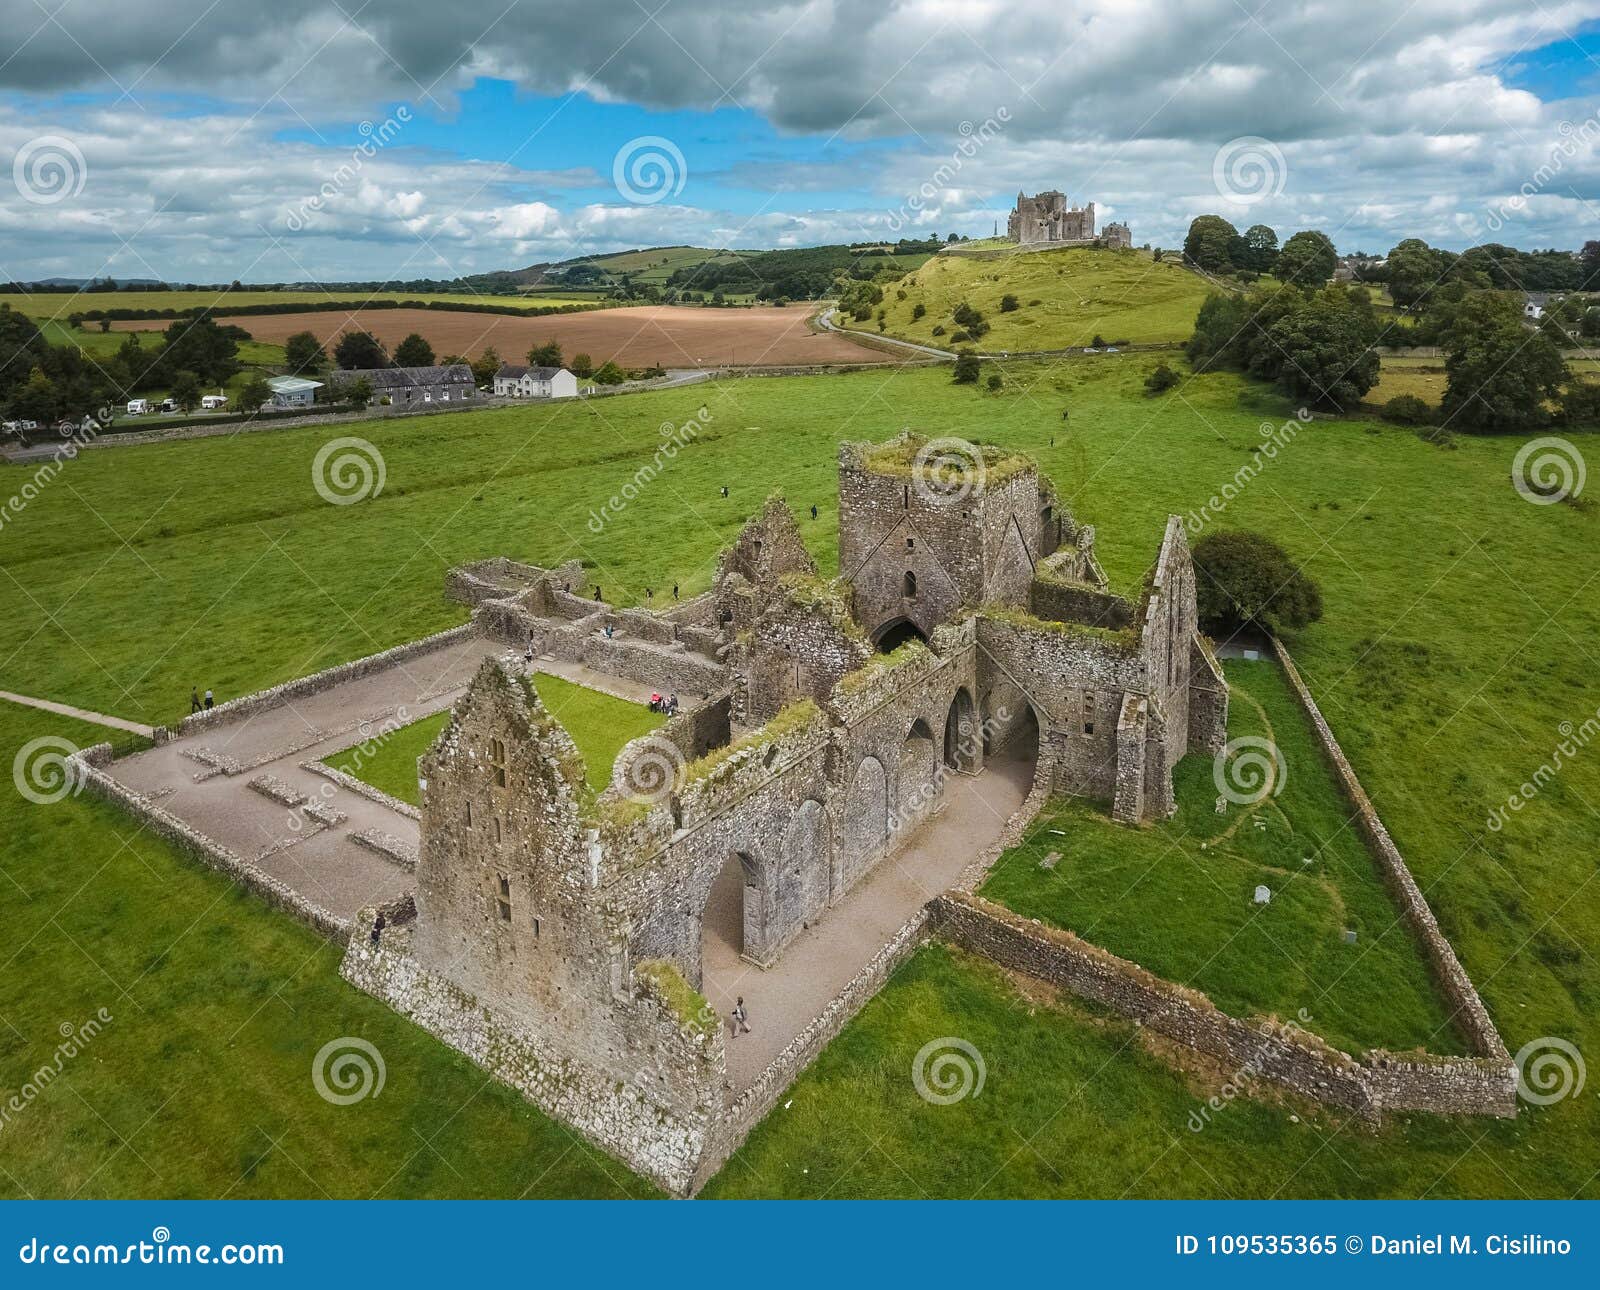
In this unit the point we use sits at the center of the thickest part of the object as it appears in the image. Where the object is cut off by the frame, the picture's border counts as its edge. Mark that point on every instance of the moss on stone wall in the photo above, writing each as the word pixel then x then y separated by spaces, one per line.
pixel 795 717
pixel 1124 640
pixel 685 1003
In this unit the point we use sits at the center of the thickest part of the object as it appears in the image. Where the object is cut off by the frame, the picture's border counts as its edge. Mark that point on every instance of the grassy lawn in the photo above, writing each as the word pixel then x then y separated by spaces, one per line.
pixel 200 1084
pixel 1177 897
pixel 1064 298
pixel 392 765
pixel 1073 1104
pixel 1460 633
pixel 600 724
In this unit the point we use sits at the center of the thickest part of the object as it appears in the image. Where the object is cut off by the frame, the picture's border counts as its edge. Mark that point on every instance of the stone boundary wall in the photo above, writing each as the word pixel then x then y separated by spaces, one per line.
pixel 248 705
pixel 1466 1007
pixel 1264 1047
pixel 171 829
pixel 615 1115
pixel 362 789
pixel 748 1109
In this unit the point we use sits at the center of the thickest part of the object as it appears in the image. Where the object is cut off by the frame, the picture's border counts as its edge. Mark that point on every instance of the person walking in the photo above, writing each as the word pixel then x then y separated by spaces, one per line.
pixel 674 591
pixel 741 1022
pixel 378 925
pixel 813 510
pixel 194 699
pixel 724 490
pixel 209 700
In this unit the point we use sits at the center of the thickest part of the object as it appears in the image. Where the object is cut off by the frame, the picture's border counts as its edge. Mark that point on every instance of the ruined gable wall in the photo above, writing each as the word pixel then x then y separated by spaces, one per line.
pixel 795 650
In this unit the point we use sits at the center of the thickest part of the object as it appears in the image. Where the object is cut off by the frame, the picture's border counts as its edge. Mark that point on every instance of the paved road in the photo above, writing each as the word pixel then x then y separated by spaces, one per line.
pixel 825 321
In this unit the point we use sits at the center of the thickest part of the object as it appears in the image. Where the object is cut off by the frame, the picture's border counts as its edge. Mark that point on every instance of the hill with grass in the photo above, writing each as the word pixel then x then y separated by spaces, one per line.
pixel 1057 299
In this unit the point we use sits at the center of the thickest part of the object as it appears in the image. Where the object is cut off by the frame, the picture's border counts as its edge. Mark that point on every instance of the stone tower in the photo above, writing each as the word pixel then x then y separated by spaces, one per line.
pixel 929 528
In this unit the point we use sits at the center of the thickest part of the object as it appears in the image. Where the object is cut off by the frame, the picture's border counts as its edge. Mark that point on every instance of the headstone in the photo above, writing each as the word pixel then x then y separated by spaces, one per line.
pixel 1252 655
pixel 1263 895
pixel 1222 806
pixel 1349 936
pixel 1051 860
pixel 1260 824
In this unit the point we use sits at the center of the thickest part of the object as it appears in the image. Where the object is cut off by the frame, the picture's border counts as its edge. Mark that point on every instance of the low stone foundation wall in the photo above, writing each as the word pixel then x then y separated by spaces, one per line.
pixel 748 1109
pixel 249 705
pixel 1268 1049
pixel 616 1116
pixel 1466 1007
pixel 170 828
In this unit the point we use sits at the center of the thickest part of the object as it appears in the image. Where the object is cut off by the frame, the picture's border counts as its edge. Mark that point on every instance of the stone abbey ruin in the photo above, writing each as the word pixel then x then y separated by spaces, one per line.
pixel 852 755
pixel 1047 219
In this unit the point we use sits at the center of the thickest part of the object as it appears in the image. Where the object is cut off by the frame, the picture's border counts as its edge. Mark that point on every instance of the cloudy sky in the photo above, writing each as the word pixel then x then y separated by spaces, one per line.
pixel 202 140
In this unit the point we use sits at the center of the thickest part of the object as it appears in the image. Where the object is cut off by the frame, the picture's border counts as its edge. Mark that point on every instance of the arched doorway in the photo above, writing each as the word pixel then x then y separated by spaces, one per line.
pixel 918 784
pixel 733 924
pixel 895 633
pixel 963 747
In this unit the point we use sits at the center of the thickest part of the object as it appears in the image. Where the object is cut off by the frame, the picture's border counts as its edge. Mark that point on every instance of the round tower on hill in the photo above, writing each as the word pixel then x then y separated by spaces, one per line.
pixel 931 527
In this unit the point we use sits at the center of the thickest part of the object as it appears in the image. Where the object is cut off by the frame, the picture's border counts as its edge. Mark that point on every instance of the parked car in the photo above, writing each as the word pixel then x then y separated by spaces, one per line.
pixel 138 407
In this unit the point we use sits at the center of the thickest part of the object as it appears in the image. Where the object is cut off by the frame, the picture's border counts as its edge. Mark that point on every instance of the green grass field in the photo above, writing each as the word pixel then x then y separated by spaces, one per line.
pixel 600 724
pixel 1065 298
pixel 1177 897
pixel 61 304
pixel 1459 635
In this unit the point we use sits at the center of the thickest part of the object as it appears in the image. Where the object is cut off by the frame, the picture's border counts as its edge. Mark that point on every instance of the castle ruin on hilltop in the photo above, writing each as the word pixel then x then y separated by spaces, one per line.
pixel 1046 218
pixel 567 941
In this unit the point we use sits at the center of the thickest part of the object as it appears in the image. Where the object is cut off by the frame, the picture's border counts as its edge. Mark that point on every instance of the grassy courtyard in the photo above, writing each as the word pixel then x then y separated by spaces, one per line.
pixel 1064 298
pixel 600 724
pixel 1177 897
pixel 1459 635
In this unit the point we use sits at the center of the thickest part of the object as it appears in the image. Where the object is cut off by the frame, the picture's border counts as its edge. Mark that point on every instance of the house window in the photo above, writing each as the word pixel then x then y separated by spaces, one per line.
pixel 905 498
pixel 497 828
pixel 504 900
pixel 909 585
pixel 911 544
pixel 1088 712
pixel 469 812
pixel 536 929
pixel 497 762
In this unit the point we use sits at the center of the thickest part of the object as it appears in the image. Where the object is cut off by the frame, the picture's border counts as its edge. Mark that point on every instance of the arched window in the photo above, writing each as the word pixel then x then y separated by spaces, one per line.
pixel 910 585
pixel 497 762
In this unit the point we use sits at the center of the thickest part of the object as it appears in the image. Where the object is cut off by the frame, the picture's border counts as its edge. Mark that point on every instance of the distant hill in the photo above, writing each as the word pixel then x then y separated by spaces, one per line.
pixel 1063 298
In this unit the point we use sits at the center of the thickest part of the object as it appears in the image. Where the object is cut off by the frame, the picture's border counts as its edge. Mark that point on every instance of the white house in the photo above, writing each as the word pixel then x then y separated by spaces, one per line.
pixel 293 391
pixel 516 382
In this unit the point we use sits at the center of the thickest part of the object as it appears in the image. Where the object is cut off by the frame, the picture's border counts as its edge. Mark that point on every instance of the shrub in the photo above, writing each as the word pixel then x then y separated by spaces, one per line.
pixel 938 329
pixel 1099 341
pixel 1008 304
pixel 959 338
pixel 1580 404
pixel 918 310
pixel 1248 580
pixel 1160 380
pixel 966 368
pixel 1407 410
pixel 994 380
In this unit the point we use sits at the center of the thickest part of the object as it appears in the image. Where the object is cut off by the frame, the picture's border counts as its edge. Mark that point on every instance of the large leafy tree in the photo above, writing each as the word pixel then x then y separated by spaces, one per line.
pixel 413 351
pixel 1307 259
pixel 303 354
pixel 546 355
pixel 199 345
pixel 1245 579
pixel 1499 373
pixel 1323 351
pixel 1415 269
pixel 1210 244
pixel 359 350
pixel 1260 248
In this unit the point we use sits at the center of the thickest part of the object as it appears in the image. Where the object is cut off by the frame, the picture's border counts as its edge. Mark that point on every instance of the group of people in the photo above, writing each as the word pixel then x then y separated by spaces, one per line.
pixel 195 704
pixel 667 704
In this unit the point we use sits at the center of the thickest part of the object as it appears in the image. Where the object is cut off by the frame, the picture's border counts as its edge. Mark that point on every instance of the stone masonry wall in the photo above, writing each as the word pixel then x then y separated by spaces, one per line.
pixel 1466 1007
pixel 1285 1055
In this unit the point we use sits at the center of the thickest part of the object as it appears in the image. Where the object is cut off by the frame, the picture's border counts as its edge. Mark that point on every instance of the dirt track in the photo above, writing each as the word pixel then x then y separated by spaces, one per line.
pixel 668 335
